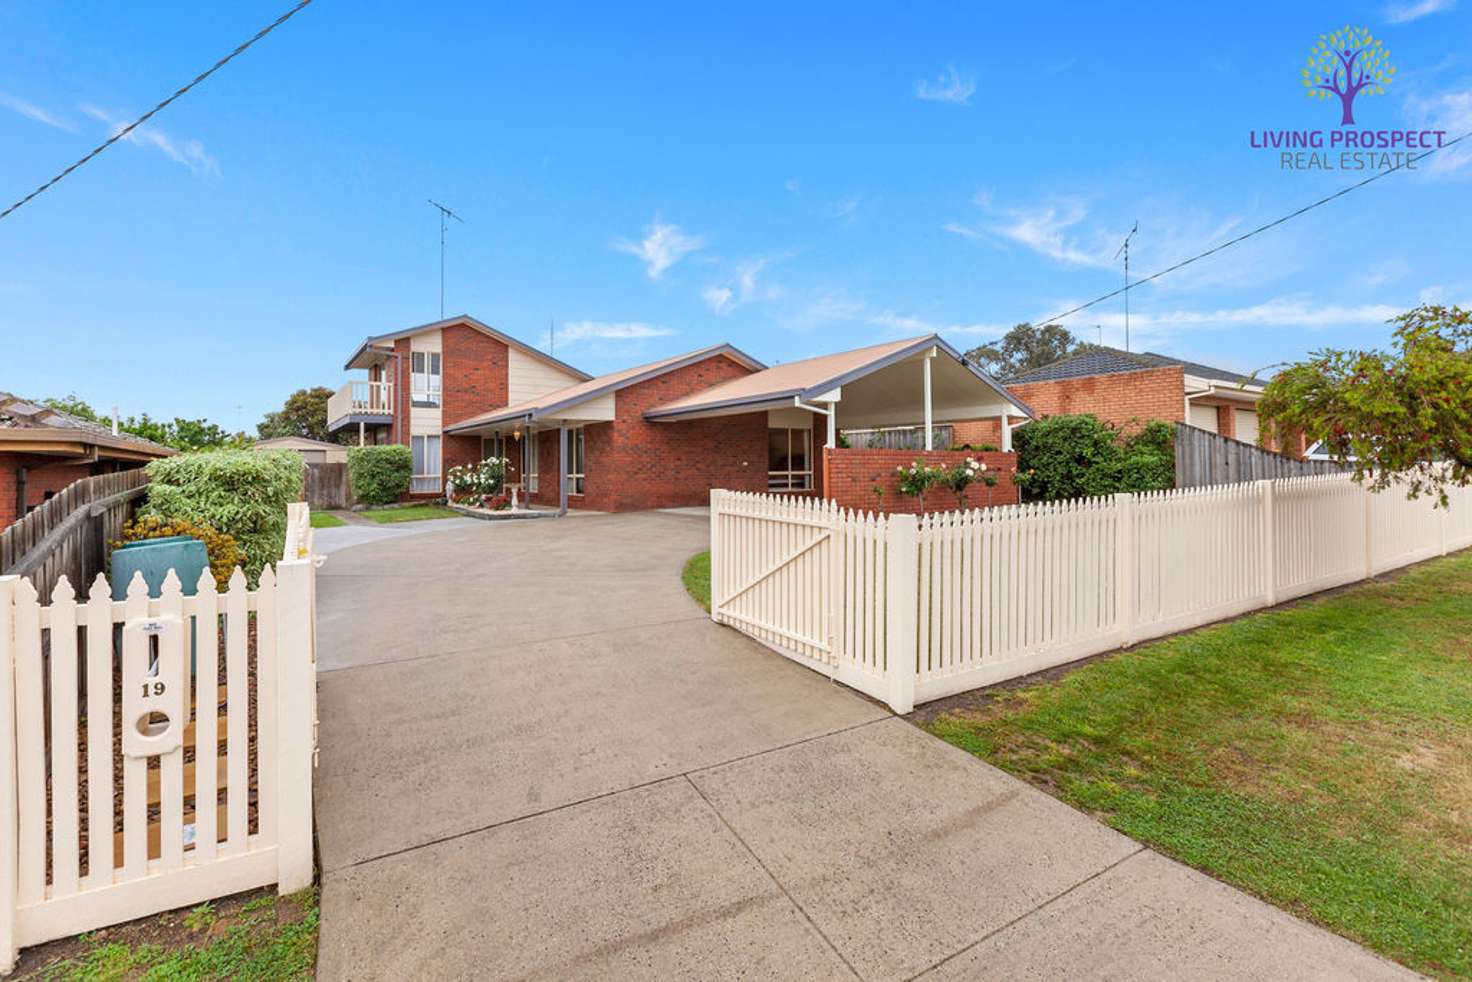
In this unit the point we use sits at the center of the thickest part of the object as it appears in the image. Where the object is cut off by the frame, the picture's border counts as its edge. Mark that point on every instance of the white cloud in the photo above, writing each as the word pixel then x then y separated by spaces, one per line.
pixel 949 87
pixel 34 112
pixel 663 245
pixel 1401 13
pixel 1384 272
pixel 905 324
pixel 844 209
pixel 189 153
pixel 745 287
pixel 1044 230
pixel 1452 113
pixel 575 331
pixel 1276 313
pixel 793 185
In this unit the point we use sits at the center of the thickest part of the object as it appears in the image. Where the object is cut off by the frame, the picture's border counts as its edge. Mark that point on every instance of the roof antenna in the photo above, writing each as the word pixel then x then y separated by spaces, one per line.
pixel 444 213
pixel 1125 249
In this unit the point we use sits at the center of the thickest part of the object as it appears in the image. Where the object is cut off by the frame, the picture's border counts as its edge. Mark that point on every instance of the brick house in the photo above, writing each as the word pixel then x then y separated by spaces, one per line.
pixel 1126 388
pixel 43 450
pixel 657 435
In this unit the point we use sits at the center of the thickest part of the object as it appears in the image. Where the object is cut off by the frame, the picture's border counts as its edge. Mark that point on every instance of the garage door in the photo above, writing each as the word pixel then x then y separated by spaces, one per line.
pixel 1203 417
pixel 1246 424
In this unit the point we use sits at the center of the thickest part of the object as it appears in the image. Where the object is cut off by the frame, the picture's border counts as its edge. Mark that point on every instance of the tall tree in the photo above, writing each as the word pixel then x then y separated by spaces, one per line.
pixel 304 414
pixel 1404 416
pixel 1024 348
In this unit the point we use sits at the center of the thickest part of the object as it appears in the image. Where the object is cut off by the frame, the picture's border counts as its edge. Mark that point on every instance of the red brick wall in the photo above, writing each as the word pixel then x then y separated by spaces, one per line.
pixel 475 381
pixel 852 474
pixel 43 474
pixel 979 431
pixel 1153 393
pixel 633 464
pixel 403 365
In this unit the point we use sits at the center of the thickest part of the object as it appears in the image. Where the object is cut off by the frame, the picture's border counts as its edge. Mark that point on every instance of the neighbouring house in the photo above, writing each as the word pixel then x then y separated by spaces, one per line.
pixel 662 434
pixel 42 450
pixel 312 451
pixel 1123 387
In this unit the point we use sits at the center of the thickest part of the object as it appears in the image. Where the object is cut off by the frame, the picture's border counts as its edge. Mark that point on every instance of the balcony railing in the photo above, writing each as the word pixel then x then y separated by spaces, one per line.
pixel 360 399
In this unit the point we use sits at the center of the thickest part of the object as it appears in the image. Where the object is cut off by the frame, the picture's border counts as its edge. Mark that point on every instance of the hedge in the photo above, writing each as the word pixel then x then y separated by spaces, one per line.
pixel 241 493
pixel 1064 457
pixel 379 475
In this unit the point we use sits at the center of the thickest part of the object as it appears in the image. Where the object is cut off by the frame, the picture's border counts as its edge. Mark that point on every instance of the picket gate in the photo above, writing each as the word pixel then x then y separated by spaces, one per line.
pixel 116 799
pixel 909 610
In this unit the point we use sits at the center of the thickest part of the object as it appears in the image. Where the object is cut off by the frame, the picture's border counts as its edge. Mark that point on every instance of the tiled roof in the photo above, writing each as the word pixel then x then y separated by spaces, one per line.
pixel 21 414
pixel 1101 360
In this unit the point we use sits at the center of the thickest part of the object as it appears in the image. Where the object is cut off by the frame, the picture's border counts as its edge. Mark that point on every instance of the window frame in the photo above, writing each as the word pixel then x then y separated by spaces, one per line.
pixel 788 476
pixel 577 461
pixel 426 385
pixel 416 480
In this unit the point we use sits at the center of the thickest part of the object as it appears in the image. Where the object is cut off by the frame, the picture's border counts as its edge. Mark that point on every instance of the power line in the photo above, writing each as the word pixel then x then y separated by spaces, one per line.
pixel 148 115
pixel 1247 235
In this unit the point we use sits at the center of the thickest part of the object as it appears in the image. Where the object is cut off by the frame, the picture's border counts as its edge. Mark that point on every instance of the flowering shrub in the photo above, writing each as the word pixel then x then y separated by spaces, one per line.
pixel 478 485
pixel 963 475
pixel 224 554
pixel 918 478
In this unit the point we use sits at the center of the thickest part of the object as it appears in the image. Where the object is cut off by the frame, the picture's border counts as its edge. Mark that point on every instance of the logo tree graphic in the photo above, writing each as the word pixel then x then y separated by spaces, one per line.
pixel 1344 64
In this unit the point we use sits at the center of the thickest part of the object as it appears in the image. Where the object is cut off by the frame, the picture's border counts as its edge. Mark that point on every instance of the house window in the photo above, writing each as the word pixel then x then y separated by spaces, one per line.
pixel 424 380
pixel 534 463
pixel 575 460
pixel 426 450
pixel 492 446
pixel 789 459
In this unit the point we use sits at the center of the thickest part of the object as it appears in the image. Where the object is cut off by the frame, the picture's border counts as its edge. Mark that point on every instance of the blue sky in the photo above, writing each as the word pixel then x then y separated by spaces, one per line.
pixel 655 178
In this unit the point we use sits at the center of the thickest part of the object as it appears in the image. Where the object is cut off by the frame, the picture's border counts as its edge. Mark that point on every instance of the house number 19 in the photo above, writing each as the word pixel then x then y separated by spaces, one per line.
pixel 153 688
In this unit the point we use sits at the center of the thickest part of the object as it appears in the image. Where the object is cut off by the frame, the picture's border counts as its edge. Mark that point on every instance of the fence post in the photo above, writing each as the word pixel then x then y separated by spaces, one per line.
pixel 296 674
pixel 715 552
pixel 1266 542
pixel 9 830
pixel 902 596
pixel 1124 567
pixel 1369 533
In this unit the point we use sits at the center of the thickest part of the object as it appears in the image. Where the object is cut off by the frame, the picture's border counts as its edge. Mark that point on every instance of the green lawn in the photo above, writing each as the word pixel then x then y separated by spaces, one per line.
pixel 325 520
pixel 262 938
pixel 1319 756
pixel 696 576
pixel 408 513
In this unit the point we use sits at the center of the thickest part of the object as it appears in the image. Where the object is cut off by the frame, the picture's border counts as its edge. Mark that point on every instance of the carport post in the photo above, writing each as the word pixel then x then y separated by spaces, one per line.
pixel 562 470
pixel 929 430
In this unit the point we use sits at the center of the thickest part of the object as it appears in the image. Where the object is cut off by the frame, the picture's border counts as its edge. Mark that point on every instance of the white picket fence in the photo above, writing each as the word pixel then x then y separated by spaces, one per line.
pixel 911 610
pixel 115 800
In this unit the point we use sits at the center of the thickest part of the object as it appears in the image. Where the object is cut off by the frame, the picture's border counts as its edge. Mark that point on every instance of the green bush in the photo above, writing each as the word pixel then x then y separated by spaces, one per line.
pixel 1081 456
pixel 240 493
pixel 379 475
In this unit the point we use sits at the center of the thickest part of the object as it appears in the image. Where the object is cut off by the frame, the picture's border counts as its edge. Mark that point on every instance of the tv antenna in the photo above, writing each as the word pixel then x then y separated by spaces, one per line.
pixel 444 213
pixel 1125 251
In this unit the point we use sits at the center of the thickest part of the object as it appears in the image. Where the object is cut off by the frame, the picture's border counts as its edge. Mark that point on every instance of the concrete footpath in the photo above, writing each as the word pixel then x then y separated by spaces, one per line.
pixel 539 759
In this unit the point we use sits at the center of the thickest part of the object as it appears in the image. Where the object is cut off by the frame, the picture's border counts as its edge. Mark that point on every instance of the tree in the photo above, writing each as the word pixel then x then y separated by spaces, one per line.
pixel 1061 457
pixel 181 434
pixel 304 414
pixel 1024 348
pixel 1399 417
pixel 1344 64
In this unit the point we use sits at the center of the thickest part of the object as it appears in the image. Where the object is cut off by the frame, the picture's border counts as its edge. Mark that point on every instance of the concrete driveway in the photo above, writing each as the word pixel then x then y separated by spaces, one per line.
pixel 541 760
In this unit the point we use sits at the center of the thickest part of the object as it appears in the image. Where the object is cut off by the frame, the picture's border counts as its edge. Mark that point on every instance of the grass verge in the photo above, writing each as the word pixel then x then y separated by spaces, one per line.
pixel 326 520
pixel 251 936
pixel 1318 756
pixel 696 577
pixel 408 513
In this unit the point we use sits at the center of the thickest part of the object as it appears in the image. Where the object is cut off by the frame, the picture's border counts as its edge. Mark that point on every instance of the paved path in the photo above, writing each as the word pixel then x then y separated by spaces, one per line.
pixel 541 760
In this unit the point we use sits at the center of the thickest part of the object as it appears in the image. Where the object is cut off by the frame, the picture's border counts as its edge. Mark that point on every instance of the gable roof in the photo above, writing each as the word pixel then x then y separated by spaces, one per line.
pixel 21 419
pixel 571 395
pixel 468 321
pixel 1098 359
pixel 812 377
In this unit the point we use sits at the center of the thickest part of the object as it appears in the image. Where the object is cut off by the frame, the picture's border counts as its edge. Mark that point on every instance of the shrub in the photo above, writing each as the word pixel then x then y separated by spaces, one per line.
pixel 477 484
pixel 1081 456
pixel 961 476
pixel 918 478
pixel 380 475
pixel 242 493
pixel 224 554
